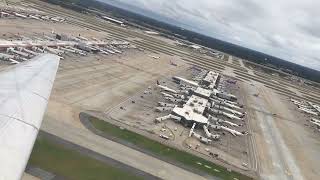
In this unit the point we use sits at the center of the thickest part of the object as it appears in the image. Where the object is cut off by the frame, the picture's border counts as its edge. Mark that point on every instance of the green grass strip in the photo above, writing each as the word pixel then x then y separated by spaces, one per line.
pixel 159 149
pixel 70 164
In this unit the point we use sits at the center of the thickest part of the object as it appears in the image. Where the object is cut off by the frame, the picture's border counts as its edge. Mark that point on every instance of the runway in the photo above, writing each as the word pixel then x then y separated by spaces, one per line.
pixel 286 149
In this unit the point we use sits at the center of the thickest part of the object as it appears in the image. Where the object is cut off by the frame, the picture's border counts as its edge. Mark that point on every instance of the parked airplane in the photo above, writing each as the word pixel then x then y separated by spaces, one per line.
pixel 38 49
pixel 6 57
pixel 77 51
pixel 13 61
pixel 166 95
pixel 57 19
pixel 116 50
pixel 12 50
pixel 173 64
pixel 34 17
pixel 109 51
pixel 165 88
pixel 315 122
pixel 67 50
pixel 4 14
pixel 28 51
pixel 231 116
pixel 45 18
pixel 154 57
pixel 211 118
pixel 103 52
pixel 20 15
pixel 54 51
pixel 232 131
pixel 308 111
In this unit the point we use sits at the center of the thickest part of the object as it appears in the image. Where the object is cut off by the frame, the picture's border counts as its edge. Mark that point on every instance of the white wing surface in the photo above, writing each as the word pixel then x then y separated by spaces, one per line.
pixel 24 94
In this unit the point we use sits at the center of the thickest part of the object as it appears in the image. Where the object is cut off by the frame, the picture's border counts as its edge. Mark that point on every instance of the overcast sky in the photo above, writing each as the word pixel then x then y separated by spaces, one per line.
pixel 288 29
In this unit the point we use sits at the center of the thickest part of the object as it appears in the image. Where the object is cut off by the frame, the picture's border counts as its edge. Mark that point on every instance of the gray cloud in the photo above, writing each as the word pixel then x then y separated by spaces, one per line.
pixel 289 29
pixel 312 27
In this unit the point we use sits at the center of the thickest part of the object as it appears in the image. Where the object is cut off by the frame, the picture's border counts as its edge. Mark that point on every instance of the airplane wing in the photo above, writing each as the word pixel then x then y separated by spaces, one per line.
pixel 24 94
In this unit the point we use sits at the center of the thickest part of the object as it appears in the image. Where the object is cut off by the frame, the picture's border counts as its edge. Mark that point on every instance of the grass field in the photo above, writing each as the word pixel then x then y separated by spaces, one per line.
pixel 70 164
pixel 159 149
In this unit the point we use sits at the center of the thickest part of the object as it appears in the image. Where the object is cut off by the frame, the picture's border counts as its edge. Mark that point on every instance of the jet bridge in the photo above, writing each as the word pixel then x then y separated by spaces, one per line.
pixel 210 135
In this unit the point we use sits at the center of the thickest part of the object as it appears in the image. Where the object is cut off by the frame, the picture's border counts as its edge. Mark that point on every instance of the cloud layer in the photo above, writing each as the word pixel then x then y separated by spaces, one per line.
pixel 288 29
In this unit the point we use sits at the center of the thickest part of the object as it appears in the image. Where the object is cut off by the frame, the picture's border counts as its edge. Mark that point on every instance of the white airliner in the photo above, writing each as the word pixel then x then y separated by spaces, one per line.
pixel 20 15
pixel 24 95
pixel 154 57
pixel 166 95
pixel 12 61
pixel 165 88
pixel 232 131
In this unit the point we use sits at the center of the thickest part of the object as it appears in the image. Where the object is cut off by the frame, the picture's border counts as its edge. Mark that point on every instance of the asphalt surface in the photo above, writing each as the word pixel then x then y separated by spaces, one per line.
pixel 92 154
pixel 113 150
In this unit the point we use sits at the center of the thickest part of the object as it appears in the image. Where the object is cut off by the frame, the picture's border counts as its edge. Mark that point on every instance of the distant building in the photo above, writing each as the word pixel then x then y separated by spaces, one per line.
pixel 211 79
pixel 113 20
pixel 195 46
pixel 151 32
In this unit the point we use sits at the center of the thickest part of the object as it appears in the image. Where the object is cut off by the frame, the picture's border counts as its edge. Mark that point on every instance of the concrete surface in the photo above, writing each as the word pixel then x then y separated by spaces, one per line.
pixel 286 150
